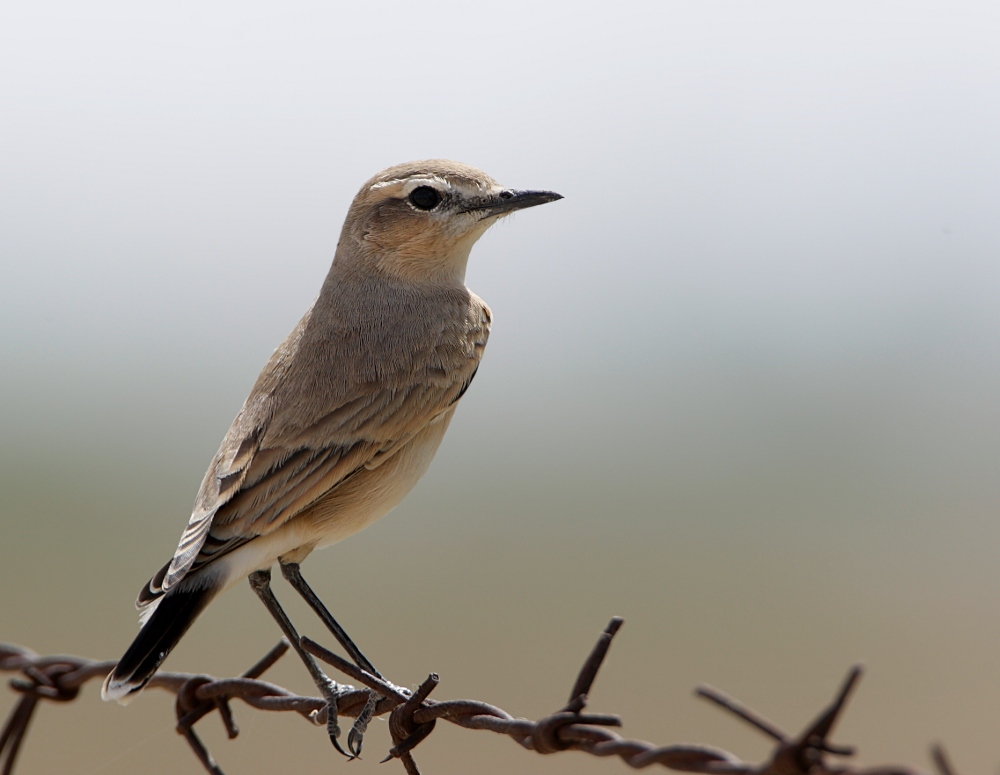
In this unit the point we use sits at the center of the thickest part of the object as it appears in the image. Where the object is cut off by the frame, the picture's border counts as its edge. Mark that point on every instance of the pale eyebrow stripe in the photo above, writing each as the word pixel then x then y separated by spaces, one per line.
pixel 420 181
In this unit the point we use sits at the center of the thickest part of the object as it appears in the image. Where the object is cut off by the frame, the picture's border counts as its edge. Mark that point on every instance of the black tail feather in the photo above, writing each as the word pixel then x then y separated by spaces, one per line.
pixel 174 614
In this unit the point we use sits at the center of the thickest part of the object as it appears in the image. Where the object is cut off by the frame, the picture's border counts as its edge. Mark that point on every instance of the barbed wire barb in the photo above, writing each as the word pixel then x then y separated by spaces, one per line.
pixel 941 760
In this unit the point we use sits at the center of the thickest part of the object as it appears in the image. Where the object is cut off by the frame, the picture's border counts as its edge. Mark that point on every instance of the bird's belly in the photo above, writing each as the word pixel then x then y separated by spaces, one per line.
pixel 369 495
pixel 343 511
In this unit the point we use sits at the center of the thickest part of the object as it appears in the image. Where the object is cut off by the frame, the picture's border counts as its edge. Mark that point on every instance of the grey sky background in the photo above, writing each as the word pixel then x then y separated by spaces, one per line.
pixel 743 378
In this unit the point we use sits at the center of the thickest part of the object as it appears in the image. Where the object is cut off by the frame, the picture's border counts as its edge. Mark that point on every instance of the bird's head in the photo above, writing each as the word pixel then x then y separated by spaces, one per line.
pixel 419 220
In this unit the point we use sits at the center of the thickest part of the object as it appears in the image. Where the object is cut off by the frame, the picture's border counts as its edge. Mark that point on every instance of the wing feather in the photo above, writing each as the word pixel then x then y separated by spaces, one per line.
pixel 290 445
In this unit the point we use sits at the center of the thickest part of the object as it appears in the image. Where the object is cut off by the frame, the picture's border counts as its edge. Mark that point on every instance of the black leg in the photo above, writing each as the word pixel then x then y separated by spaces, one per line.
pixel 260 583
pixel 293 574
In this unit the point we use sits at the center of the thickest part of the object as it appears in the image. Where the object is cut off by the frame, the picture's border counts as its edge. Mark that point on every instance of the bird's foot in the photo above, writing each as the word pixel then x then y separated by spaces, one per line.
pixel 356 737
pixel 332 692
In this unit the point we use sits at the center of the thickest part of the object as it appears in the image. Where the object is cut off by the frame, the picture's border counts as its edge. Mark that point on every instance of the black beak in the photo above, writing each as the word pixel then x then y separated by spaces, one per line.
pixel 510 200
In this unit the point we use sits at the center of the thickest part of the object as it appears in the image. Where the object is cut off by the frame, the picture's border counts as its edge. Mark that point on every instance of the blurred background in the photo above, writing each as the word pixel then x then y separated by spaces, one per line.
pixel 742 387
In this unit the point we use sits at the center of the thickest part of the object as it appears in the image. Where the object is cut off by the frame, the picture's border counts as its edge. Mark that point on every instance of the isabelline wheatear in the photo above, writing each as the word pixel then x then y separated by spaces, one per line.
pixel 348 412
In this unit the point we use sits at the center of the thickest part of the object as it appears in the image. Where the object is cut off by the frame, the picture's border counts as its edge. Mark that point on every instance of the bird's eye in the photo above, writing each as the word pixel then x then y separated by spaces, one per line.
pixel 425 198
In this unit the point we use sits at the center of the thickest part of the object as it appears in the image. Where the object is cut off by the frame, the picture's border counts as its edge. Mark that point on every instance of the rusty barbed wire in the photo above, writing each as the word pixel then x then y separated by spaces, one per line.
pixel 412 716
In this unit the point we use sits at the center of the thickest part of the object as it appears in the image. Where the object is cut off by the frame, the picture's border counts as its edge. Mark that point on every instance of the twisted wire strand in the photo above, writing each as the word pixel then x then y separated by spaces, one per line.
pixel 412 716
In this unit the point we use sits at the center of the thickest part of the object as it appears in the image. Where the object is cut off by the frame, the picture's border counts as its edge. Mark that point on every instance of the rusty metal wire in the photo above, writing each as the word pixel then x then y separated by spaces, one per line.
pixel 412 716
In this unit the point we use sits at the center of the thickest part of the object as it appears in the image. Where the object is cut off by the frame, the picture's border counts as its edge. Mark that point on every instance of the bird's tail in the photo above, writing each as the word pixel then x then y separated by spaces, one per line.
pixel 173 614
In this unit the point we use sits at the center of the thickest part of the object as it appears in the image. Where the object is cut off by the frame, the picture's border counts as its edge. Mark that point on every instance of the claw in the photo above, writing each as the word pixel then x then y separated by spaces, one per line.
pixel 356 737
pixel 331 693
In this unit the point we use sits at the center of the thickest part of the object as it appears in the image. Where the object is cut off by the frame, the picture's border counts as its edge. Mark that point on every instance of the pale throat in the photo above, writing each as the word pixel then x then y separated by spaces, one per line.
pixel 441 262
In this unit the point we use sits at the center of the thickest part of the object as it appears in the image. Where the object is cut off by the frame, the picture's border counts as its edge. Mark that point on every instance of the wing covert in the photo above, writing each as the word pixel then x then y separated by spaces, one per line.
pixel 288 447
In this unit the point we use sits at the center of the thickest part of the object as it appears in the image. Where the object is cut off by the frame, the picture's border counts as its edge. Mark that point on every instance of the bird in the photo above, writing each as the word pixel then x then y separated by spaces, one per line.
pixel 347 413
